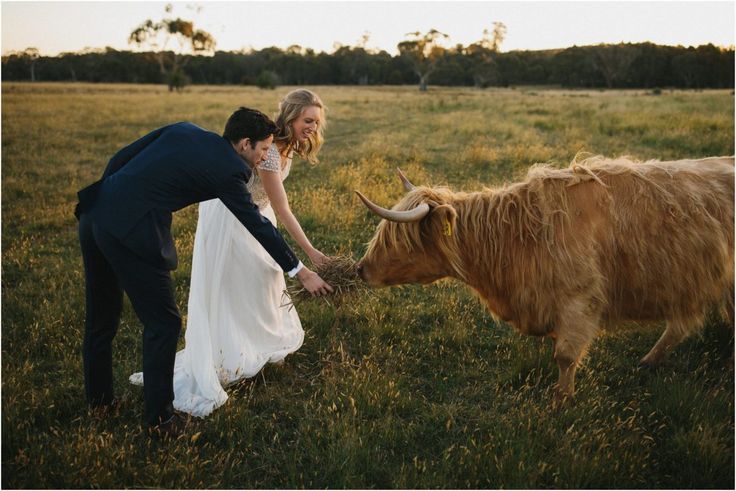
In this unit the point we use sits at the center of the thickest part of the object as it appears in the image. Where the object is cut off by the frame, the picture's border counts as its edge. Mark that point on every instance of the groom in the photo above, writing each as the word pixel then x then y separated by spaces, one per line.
pixel 125 236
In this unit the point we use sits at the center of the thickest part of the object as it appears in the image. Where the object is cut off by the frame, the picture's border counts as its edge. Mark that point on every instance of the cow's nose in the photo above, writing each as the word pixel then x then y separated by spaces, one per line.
pixel 359 268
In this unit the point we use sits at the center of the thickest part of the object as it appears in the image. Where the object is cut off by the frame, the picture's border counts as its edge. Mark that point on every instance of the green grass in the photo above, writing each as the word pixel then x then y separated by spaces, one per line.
pixel 416 387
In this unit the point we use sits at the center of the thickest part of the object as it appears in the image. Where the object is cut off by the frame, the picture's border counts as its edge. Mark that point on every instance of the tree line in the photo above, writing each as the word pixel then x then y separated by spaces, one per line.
pixel 625 65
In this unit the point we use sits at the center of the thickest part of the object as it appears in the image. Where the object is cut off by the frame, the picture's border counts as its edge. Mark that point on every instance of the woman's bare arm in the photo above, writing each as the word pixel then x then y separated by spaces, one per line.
pixel 274 188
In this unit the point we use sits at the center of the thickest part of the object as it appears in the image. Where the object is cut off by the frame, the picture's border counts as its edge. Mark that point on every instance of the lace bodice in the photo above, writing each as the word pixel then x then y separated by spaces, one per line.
pixel 272 163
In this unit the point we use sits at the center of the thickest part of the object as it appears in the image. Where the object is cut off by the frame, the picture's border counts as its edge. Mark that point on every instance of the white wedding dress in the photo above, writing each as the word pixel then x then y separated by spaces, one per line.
pixel 237 321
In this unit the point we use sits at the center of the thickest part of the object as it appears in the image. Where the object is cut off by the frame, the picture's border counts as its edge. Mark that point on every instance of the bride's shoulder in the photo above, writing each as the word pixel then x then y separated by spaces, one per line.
pixel 272 162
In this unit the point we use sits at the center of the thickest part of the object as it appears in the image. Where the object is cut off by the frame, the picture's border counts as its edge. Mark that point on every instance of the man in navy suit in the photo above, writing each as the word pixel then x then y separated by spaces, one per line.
pixel 125 236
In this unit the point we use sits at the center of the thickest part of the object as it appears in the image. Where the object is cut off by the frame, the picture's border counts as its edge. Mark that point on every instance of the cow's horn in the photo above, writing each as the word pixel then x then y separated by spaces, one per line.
pixel 413 215
pixel 407 184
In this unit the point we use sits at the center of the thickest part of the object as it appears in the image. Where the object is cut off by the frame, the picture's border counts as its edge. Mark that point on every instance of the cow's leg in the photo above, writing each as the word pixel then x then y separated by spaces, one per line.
pixel 674 333
pixel 572 339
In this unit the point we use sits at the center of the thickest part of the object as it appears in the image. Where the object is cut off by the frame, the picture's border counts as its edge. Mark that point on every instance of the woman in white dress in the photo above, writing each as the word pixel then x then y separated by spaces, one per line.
pixel 237 321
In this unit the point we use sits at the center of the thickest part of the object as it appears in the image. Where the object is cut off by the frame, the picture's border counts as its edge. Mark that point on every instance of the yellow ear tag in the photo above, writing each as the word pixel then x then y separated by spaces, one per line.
pixel 448 228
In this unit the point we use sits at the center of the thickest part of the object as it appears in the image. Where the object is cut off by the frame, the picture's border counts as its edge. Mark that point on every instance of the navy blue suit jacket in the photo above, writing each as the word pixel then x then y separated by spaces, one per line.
pixel 164 171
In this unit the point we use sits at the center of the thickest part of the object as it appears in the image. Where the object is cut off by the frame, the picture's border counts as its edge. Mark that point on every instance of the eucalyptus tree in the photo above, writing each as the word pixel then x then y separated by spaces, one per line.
pixel 28 57
pixel 483 54
pixel 159 36
pixel 424 53
pixel 614 60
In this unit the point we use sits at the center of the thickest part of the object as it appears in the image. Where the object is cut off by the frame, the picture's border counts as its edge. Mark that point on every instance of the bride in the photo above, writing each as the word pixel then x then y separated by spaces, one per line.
pixel 236 320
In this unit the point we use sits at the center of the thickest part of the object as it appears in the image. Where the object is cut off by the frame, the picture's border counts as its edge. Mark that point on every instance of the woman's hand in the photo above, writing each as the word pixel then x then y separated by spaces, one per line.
pixel 317 258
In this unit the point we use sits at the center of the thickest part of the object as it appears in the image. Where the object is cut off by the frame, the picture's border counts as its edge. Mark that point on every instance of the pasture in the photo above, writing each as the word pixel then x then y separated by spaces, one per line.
pixel 415 387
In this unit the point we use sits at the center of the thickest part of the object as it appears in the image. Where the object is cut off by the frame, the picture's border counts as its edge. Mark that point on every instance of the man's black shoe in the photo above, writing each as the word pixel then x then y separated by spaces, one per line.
pixel 103 411
pixel 171 429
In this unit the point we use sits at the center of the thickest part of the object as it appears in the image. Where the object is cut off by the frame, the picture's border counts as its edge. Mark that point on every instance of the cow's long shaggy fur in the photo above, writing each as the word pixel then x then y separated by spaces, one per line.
pixel 569 250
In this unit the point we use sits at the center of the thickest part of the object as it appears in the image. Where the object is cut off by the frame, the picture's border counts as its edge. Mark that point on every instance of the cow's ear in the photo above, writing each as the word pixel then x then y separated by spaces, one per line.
pixel 441 222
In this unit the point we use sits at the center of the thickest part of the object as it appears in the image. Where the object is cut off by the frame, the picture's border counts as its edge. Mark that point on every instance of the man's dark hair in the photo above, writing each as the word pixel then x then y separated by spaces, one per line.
pixel 248 123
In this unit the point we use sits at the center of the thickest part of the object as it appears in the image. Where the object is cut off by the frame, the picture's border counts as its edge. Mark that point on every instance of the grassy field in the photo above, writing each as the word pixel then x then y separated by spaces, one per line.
pixel 416 387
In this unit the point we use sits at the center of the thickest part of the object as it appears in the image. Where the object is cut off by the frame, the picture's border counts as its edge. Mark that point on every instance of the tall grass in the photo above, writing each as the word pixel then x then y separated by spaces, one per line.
pixel 417 387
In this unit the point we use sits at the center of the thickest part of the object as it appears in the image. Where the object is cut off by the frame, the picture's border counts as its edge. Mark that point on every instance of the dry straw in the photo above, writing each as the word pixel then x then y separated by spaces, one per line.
pixel 341 273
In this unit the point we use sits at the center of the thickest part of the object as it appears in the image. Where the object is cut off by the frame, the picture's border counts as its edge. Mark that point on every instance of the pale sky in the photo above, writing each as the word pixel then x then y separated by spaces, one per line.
pixel 58 26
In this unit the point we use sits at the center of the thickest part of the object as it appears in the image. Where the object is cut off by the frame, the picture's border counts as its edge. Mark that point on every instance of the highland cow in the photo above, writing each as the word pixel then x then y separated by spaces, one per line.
pixel 567 252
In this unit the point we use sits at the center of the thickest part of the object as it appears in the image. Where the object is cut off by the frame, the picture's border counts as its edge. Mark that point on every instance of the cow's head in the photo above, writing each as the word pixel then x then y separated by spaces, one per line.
pixel 416 242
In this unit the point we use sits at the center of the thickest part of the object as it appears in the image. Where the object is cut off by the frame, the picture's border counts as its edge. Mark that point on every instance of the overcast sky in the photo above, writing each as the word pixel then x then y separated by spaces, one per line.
pixel 55 27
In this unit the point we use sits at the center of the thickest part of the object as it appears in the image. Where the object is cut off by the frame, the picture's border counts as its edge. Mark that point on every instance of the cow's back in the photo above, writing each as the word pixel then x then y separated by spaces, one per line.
pixel 666 240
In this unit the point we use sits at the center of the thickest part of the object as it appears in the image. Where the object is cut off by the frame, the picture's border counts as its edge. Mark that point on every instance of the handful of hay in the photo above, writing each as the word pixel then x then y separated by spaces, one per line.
pixel 340 272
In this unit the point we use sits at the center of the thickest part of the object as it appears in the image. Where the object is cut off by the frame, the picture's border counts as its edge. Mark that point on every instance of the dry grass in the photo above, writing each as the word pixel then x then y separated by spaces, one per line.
pixel 341 273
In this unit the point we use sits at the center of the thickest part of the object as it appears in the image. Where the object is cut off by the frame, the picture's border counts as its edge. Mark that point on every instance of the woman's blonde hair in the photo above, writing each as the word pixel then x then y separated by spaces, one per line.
pixel 290 108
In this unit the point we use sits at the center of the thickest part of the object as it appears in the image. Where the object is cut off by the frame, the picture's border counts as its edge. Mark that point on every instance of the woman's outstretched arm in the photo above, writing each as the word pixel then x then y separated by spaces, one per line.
pixel 274 188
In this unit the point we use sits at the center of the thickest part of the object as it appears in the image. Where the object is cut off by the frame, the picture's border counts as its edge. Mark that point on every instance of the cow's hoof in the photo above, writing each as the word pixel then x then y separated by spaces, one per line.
pixel 648 363
pixel 561 400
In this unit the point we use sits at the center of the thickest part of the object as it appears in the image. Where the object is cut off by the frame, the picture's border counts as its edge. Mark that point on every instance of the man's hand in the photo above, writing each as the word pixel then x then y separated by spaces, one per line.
pixel 313 283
